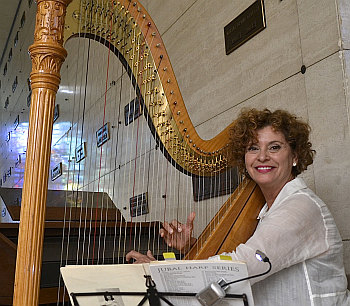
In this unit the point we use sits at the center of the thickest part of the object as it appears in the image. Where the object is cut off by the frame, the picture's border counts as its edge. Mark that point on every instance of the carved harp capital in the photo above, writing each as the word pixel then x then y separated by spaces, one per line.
pixel 47 53
pixel 50 21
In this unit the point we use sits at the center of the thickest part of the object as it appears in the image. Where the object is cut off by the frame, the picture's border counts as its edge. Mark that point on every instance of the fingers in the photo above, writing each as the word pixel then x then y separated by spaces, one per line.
pixel 167 228
pixel 139 258
pixel 190 219
pixel 164 234
pixel 173 226
pixel 176 225
pixel 150 255
pixel 132 255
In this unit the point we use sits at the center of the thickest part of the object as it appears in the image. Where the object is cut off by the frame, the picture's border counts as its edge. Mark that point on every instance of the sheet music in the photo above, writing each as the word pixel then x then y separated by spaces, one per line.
pixel 102 278
pixel 193 276
pixel 169 276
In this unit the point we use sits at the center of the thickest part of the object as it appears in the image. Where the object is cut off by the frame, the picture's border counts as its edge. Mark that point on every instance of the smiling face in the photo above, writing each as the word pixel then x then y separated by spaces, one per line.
pixel 269 162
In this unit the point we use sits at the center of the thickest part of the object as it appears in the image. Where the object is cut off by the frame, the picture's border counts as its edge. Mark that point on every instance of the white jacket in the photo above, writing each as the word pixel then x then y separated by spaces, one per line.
pixel 300 237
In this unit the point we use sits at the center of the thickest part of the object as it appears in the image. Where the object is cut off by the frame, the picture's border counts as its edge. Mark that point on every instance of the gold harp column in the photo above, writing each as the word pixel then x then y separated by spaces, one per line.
pixel 47 54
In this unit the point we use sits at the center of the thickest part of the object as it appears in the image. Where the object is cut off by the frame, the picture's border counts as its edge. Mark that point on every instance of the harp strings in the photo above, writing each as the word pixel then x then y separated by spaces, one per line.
pixel 163 183
pixel 72 185
pixel 139 132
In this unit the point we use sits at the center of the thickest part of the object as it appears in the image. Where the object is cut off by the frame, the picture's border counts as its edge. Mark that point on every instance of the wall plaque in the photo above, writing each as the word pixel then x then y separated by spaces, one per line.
pixel 102 135
pixel 245 26
pixel 16 123
pixel 80 152
pixel 132 111
pixel 56 172
pixel 139 205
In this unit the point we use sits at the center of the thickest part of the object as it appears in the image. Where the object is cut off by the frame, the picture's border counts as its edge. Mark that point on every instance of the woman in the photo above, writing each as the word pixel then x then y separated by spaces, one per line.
pixel 295 230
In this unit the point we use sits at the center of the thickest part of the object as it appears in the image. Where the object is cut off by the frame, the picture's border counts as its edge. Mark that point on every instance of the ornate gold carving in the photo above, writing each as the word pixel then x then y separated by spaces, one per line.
pixel 46 62
pixel 47 53
pixel 50 21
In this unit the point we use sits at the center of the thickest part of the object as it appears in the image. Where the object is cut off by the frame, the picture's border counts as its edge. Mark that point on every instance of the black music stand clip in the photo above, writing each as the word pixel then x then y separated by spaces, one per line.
pixel 152 295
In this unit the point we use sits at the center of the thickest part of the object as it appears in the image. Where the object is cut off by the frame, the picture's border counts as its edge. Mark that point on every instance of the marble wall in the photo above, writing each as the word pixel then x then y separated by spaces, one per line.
pixel 263 72
pixel 266 72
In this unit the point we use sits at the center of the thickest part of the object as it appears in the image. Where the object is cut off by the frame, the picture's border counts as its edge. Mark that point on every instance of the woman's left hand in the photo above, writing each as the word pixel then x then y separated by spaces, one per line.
pixel 140 258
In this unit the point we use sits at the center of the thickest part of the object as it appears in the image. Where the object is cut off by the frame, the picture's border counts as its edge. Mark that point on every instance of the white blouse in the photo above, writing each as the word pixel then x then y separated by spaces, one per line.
pixel 300 237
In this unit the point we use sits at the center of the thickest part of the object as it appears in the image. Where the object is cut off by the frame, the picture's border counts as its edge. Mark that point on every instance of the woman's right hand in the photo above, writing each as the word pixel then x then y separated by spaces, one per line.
pixel 178 235
pixel 139 258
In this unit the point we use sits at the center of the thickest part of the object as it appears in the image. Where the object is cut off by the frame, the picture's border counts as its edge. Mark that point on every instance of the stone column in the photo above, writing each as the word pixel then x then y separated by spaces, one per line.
pixel 47 54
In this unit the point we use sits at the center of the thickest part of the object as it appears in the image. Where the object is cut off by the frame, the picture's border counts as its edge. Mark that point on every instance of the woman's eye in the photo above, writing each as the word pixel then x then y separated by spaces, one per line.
pixel 252 149
pixel 275 148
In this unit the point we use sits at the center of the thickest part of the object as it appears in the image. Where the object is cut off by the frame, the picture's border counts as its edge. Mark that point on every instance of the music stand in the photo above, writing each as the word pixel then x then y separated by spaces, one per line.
pixel 152 295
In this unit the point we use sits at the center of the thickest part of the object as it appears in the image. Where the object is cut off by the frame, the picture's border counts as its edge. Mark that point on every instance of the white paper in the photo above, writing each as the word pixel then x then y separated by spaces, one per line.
pixel 101 278
pixel 193 276
pixel 174 276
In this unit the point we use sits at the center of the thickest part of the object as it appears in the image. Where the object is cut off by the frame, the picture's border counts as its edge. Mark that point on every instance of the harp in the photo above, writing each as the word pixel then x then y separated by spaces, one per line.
pixel 127 30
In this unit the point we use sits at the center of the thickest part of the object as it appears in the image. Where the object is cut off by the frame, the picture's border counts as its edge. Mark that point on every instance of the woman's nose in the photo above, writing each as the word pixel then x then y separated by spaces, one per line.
pixel 263 154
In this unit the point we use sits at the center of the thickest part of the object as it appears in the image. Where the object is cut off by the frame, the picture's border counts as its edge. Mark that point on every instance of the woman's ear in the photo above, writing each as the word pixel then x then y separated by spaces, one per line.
pixel 295 160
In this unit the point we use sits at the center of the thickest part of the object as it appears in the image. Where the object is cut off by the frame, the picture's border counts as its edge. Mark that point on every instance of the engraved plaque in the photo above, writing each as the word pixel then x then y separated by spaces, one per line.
pixel 16 123
pixel 14 84
pixel 5 69
pixel 139 205
pixel 245 26
pixel 80 152
pixel 7 102
pixel 15 41
pixel 102 135
pixel 18 160
pixel 132 111
pixel 56 172
pixel 10 56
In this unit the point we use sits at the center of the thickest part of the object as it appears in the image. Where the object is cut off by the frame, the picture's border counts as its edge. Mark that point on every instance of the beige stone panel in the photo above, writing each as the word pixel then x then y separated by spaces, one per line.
pixel 101 155
pixel 212 82
pixel 132 140
pixel 319 32
pixel 91 163
pixel 132 180
pixel 73 93
pixel 92 58
pixel 344 21
pixel 96 82
pixel 166 13
pixel 329 118
pixel 289 95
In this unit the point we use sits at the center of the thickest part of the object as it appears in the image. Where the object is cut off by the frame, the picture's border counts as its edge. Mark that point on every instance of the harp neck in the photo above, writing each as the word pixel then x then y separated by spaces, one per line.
pixel 132 34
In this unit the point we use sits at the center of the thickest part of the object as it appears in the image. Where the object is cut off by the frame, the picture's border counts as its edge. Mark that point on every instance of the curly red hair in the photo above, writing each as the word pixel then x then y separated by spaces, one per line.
pixel 295 131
